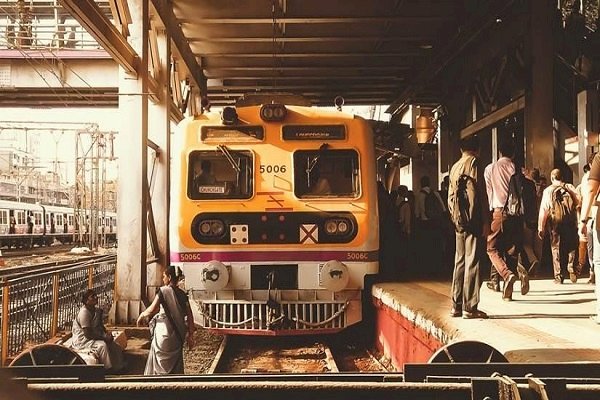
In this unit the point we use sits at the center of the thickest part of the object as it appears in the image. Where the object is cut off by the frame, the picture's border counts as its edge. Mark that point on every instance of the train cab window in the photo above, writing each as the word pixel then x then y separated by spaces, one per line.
pixel 59 219
pixel 220 174
pixel 326 173
pixel 37 218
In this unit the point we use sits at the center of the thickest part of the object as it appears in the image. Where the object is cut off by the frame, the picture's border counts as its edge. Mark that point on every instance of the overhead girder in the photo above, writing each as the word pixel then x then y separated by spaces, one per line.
pixel 91 17
pixel 164 9
pixel 310 39
pixel 466 36
pixel 324 20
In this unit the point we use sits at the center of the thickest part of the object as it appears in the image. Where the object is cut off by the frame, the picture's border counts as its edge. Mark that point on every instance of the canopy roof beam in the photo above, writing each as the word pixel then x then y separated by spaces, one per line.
pixel 91 17
pixel 164 9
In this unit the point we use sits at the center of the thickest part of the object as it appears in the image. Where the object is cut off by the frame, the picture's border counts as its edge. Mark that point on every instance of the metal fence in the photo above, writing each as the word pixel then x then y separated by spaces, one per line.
pixel 35 307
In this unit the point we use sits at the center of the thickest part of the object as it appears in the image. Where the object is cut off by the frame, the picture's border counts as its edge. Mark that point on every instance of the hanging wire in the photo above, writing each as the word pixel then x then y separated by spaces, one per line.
pixel 274 44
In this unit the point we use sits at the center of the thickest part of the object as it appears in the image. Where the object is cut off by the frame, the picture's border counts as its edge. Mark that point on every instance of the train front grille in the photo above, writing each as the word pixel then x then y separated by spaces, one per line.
pixel 275 316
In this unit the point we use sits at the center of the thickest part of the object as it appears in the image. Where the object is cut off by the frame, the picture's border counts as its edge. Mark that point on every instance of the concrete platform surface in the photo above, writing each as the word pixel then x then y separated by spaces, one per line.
pixel 550 324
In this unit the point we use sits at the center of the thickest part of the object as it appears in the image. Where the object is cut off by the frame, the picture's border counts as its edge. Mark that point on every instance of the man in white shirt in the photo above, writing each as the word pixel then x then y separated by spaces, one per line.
pixel 500 242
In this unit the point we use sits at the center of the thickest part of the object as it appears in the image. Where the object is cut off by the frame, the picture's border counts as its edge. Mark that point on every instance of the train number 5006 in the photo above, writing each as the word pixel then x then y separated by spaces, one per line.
pixel 270 169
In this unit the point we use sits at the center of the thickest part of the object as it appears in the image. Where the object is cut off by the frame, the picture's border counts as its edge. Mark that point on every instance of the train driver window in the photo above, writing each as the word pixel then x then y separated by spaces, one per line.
pixel 326 173
pixel 220 174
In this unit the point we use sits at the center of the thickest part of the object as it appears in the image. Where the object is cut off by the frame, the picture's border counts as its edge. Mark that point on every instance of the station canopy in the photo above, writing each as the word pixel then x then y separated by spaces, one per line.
pixel 368 52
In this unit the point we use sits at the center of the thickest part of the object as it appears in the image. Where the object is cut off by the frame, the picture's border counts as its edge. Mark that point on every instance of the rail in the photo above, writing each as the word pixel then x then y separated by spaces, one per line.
pixel 35 307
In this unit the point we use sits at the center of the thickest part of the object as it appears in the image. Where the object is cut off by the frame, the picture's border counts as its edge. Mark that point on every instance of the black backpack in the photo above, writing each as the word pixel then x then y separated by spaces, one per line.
pixel 463 200
pixel 522 199
pixel 433 208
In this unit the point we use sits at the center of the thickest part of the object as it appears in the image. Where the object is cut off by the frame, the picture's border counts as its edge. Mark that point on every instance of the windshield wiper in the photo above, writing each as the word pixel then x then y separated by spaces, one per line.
pixel 223 149
pixel 315 160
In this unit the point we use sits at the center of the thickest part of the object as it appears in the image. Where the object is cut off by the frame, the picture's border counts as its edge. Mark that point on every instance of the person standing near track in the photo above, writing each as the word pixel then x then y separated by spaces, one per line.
pixel 467 202
pixel 172 324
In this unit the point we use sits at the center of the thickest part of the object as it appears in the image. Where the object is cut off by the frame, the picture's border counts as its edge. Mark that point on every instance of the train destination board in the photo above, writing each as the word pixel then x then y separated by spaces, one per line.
pixel 238 133
pixel 314 132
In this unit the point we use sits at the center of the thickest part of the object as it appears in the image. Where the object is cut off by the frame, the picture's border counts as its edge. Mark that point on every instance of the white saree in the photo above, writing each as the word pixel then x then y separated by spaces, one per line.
pixel 166 350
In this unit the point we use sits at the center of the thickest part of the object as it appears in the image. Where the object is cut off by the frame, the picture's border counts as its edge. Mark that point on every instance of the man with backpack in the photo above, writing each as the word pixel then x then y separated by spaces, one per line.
pixel 558 216
pixel 467 203
pixel 521 204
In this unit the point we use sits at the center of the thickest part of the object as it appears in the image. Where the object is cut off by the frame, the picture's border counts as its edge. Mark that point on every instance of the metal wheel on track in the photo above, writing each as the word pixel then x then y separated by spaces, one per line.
pixel 467 351
pixel 47 354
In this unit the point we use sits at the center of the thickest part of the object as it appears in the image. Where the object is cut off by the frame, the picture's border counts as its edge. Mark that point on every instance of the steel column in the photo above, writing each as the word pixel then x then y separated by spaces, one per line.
pixel 160 134
pixel 131 273
pixel 539 138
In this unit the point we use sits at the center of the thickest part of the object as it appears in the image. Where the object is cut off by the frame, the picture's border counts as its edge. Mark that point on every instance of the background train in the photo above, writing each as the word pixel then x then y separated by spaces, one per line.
pixel 274 217
pixel 26 225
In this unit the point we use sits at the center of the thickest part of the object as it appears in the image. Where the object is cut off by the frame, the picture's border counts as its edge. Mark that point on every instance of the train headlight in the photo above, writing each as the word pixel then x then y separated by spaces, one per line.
pixel 342 227
pixel 229 116
pixel 217 228
pixel 215 276
pixel 211 228
pixel 273 112
pixel 331 227
pixel 334 276
pixel 337 226
pixel 205 228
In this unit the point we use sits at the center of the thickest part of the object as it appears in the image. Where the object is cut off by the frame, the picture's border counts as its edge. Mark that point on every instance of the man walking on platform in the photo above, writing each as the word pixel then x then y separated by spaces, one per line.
pixel 467 203
pixel 558 215
pixel 502 243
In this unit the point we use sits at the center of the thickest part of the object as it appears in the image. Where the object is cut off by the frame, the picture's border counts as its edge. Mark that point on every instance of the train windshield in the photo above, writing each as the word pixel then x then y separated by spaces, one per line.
pixel 220 174
pixel 326 173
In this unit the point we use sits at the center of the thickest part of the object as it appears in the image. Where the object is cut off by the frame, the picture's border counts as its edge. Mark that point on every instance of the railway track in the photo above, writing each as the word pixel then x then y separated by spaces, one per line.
pixel 24 252
pixel 52 265
pixel 291 355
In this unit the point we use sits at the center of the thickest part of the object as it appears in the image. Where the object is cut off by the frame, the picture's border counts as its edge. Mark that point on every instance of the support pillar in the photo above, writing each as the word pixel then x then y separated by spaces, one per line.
pixel 130 279
pixel 539 143
pixel 159 133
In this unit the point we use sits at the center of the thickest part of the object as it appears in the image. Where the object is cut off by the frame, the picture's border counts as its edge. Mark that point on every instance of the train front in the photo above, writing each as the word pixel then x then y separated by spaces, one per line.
pixel 274 218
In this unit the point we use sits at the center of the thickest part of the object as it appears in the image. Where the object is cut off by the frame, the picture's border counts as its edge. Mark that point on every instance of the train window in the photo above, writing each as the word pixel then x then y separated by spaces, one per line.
pixel 220 174
pixel 20 217
pixel 326 173
pixel 3 217
pixel 37 218
pixel 59 219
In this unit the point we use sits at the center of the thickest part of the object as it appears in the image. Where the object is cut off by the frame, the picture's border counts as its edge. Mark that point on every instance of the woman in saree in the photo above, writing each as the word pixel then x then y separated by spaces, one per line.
pixel 171 322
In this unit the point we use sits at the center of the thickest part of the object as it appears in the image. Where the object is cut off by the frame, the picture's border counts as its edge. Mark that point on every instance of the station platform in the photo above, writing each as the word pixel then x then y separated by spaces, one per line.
pixel 550 324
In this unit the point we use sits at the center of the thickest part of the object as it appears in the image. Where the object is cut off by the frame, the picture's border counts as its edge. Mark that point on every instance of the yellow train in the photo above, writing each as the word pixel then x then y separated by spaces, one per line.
pixel 274 217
